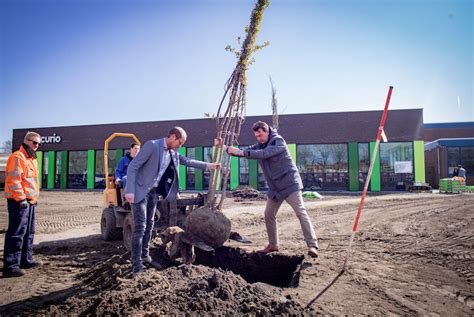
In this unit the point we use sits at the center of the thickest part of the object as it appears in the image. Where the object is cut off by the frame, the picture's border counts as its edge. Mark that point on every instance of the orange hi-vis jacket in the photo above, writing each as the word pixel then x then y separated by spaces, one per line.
pixel 21 180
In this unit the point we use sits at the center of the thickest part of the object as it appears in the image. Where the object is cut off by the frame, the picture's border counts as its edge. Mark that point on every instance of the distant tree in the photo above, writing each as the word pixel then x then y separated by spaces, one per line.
pixel 6 147
pixel 340 155
pixel 274 106
pixel 324 154
pixel 210 115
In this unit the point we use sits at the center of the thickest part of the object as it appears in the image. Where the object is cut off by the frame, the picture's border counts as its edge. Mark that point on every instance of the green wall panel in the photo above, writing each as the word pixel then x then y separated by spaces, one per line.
pixel 39 160
pixel 375 178
pixel 182 170
pixel 253 173
pixel 90 169
pixel 51 169
pixel 419 164
pixel 292 149
pixel 118 155
pixel 199 175
pixel 234 171
pixel 64 170
pixel 353 167
pixel 217 185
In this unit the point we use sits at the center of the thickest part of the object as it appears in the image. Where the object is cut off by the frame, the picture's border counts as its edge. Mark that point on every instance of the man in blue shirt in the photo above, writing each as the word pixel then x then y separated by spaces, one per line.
pixel 121 170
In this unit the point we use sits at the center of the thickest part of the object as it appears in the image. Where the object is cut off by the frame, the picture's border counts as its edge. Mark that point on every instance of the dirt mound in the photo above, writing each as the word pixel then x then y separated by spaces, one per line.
pixel 242 193
pixel 111 290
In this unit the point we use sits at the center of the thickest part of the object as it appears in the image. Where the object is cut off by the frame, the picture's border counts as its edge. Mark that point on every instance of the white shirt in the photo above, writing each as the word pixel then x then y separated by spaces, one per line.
pixel 165 161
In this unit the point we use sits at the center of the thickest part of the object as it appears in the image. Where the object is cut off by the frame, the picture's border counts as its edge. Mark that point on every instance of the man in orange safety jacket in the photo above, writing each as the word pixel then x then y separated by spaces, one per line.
pixel 21 191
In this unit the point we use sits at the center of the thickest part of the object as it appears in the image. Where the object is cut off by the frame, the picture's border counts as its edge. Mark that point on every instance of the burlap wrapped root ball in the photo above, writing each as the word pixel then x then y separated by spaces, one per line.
pixel 209 226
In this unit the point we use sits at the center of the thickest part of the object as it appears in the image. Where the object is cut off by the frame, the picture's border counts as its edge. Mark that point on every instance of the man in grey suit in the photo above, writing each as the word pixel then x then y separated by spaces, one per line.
pixel 153 172
pixel 284 183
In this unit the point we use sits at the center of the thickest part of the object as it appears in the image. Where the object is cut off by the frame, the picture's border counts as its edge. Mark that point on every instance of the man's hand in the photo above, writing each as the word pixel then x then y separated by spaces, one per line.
pixel 23 204
pixel 213 166
pixel 117 181
pixel 235 151
pixel 130 197
pixel 218 143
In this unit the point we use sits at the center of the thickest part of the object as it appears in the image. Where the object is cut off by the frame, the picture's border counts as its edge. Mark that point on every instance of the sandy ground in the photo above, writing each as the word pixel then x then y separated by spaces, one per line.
pixel 413 255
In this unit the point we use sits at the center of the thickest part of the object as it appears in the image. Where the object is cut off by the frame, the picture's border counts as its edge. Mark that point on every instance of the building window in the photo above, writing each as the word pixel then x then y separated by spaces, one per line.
pixel 77 176
pixel 226 167
pixel 207 158
pixel 262 182
pixel 467 159
pixel 44 181
pixel 190 171
pixel 323 166
pixel 243 169
pixel 396 165
pixel 364 163
pixel 99 173
pixel 113 162
pixel 461 155
pixel 57 177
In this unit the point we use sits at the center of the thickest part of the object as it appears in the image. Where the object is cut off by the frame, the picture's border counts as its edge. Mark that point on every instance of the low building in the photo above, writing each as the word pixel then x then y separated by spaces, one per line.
pixel 331 150
pixel 448 145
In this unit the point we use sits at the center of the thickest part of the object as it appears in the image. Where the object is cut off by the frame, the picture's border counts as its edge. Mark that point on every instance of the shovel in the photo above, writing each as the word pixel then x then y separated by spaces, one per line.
pixel 237 237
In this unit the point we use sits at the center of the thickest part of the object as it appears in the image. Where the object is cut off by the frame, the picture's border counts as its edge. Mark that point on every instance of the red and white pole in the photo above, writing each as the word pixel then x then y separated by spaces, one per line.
pixel 369 174
pixel 364 193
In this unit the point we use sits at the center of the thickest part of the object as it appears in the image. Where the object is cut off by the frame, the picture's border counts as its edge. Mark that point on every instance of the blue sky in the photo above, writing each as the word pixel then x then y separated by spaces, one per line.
pixel 77 62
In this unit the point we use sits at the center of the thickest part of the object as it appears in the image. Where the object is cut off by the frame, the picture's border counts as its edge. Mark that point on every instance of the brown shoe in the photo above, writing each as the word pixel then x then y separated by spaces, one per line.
pixel 313 252
pixel 269 248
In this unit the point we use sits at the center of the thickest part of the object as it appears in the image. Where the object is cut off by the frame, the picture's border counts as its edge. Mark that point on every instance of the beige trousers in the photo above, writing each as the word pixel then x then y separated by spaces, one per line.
pixel 295 200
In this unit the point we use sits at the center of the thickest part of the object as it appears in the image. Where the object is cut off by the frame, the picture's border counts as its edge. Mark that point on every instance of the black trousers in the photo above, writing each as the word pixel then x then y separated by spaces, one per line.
pixel 18 249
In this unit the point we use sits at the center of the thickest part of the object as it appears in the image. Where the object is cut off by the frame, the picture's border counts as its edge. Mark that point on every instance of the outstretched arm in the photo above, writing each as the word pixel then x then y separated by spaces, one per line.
pixel 197 164
pixel 276 146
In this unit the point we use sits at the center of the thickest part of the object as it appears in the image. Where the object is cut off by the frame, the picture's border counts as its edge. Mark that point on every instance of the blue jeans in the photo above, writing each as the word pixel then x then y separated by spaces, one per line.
pixel 143 219
pixel 18 249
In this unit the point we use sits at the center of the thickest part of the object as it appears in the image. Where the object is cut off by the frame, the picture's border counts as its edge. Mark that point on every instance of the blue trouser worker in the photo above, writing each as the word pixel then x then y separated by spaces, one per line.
pixel 143 217
pixel 18 249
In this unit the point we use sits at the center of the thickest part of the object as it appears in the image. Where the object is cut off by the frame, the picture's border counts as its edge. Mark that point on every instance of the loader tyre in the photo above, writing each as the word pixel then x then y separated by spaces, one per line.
pixel 108 228
pixel 128 231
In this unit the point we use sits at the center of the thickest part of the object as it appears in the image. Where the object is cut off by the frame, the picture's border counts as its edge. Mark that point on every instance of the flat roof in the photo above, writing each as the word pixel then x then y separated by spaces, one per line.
pixel 449 125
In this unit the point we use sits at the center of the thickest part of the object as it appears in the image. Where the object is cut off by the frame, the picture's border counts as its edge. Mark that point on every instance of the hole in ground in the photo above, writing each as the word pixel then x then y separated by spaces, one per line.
pixel 274 269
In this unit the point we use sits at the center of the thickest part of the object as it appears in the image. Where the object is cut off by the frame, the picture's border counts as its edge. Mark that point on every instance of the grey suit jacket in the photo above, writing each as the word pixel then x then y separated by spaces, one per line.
pixel 143 170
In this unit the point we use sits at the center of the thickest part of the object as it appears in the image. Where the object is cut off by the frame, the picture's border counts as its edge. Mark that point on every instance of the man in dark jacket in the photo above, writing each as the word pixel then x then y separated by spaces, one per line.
pixel 284 183
pixel 121 170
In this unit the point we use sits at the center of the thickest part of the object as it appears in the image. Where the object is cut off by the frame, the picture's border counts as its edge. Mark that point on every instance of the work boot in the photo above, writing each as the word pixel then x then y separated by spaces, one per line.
pixel 269 248
pixel 32 265
pixel 15 272
pixel 313 252
pixel 137 274
pixel 147 259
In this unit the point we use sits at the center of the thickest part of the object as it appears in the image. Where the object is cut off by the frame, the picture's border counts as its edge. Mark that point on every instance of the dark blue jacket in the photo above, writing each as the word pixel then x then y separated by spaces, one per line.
pixel 277 165
pixel 122 166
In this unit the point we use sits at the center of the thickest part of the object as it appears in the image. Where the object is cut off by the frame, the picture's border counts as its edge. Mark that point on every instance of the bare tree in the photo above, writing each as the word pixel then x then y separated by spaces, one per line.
pixel 6 147
pixel 229 121
pixel 275 117
pixel 324 153
pixel 340 155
